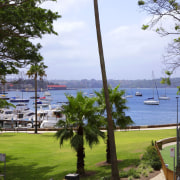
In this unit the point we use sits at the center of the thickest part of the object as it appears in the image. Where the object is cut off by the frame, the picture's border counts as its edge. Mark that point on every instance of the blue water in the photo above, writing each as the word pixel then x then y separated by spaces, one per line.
pixel 141 114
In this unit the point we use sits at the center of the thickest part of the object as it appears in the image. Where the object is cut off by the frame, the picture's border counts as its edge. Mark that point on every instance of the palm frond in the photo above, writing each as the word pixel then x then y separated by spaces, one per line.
pixel 77 141
pixel 92 135
pixel 64 134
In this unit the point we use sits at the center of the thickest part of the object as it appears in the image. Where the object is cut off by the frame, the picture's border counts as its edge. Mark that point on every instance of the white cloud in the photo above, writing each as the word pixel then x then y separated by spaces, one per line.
pixel 130 53
pixel 64 6
pixel 69 26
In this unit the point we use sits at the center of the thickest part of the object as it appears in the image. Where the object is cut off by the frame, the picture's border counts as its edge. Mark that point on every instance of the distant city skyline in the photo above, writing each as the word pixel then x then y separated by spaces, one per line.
pixel 130 53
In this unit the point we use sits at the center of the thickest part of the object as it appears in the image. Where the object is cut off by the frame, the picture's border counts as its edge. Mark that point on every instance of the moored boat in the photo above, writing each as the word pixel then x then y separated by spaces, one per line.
pixel 138 93
pixel 151 101
pixel 16 100
pixel 50 117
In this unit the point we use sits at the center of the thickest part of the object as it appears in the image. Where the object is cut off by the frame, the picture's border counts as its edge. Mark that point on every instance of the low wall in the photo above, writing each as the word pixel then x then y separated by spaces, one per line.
pixel 169 174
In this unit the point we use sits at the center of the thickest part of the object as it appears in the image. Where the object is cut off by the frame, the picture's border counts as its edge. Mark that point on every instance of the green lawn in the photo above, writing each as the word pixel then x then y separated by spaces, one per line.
pixel 39 156
pixel 167 158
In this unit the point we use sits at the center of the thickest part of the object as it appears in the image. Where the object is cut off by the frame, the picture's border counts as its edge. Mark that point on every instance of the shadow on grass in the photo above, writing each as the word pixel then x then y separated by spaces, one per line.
pixel 30 172
pixel 34 172
pixel 105 170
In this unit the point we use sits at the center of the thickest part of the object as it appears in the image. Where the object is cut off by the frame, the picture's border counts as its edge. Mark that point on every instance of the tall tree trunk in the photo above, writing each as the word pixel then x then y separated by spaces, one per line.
pixel 114 165
pixel 80 154
pixel 108 157
pixel 35 103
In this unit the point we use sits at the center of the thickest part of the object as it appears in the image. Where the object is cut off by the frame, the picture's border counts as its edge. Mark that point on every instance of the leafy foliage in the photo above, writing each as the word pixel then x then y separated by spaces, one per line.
pixel 5 104
pixel 117 106
pixel 81 113
pixel 140 2
pixel 166 21
pixel 20 21
pixel 151 157
pixel 37 69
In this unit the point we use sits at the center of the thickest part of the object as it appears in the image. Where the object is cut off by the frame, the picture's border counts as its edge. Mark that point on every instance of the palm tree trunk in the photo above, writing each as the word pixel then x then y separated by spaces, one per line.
pixel 108 157
pixel 80 154
pixel 35 103
pixel 114 165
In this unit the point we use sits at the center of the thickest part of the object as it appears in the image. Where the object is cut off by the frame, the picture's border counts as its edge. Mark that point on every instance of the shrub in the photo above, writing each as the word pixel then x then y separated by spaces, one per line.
pixel 134 173
pixel 123 174
pixel 130 178
pixel 151 157
pixel 105 178
pixel 145 173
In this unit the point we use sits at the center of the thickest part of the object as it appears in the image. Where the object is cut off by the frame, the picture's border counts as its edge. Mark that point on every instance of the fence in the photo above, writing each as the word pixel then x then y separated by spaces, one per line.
pixel 167 172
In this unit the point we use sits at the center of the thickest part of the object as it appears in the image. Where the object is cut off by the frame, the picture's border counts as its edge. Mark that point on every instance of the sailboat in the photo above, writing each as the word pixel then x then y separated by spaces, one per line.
pixel 17 99
pixel 152 101
pixel 164 97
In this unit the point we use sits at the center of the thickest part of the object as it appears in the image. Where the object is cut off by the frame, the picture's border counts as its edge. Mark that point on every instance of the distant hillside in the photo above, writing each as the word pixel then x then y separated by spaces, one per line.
pixel 84 83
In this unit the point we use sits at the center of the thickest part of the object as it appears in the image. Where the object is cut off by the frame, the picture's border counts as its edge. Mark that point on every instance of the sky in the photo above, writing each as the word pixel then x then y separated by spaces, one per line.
pixel 130 53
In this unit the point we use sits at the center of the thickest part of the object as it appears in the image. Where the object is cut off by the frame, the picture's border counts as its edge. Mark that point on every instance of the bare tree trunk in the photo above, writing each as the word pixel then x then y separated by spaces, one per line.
pixel 35 103
pixel 114 165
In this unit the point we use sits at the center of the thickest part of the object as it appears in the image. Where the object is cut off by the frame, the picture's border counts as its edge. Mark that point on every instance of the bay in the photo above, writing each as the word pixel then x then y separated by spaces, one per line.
pixel 141 114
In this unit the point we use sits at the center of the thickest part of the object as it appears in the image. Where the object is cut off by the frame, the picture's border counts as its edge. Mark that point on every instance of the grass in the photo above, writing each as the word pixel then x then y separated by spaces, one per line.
pixel 167 158
pixel 39 156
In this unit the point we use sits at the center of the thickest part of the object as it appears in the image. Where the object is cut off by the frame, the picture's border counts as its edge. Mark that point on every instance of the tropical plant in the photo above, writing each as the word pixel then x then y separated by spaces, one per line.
pixel 35 71
pixel 112 145
pixel 117 105
pixel 81 113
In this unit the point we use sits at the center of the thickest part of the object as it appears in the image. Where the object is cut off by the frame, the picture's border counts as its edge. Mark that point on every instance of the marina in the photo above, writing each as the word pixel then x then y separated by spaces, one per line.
pixel 141 114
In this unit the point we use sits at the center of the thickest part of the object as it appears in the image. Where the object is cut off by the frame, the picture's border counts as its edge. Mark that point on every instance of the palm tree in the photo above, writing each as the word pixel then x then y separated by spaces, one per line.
pixel 117 105
pixel 114 165
pixel 35 71
pixel 83 114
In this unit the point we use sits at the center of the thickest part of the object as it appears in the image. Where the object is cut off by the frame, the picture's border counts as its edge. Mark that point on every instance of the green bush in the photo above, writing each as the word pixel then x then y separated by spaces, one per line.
pixel 105 178
pixel 123 174
pixel 130 178
pixel 134 173
pixel 145 173
pixel 151 157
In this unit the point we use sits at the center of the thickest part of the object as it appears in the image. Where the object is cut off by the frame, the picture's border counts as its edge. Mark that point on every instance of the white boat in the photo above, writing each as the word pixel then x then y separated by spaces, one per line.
pixel 15 117
pixel 47 93
pixel 45 99
pixel 138 93
pixel 129 96
pixel 41 104
pixel 164 97
pixel 23 112
pixel 17 99
pixel 151 101
pixel 4 97
pixel 50 117
pixel 6 114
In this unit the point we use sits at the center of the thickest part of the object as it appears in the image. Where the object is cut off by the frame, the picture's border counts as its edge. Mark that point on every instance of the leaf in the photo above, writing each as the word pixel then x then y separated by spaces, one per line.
pixel 141 2
pixel 144 27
